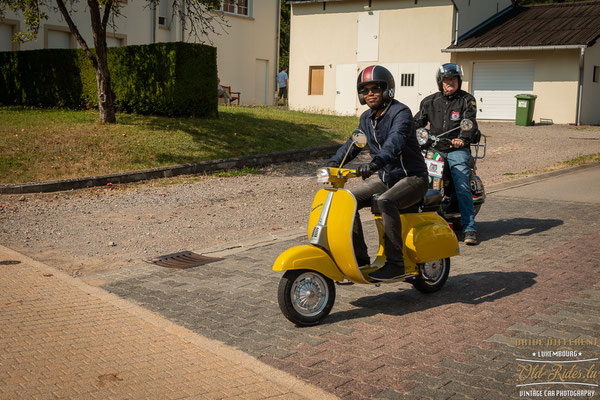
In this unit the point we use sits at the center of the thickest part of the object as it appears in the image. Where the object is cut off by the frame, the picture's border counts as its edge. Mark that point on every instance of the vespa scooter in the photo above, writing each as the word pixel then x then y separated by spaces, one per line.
pixel 439 171
pixel 306 292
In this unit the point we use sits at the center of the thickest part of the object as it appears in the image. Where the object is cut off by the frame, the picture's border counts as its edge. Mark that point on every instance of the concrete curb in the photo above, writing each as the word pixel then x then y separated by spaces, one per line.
pixel 169 171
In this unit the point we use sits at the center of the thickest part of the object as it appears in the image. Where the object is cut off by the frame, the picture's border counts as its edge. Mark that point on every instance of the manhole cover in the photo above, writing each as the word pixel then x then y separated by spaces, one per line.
pixel 182 260
pixel 10 262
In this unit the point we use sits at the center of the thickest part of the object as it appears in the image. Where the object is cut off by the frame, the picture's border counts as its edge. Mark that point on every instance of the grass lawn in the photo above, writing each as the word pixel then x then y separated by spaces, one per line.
pixel 47 144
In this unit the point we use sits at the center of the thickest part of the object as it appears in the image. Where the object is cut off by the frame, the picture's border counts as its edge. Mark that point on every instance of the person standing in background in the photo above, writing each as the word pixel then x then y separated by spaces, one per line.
pixel 282 82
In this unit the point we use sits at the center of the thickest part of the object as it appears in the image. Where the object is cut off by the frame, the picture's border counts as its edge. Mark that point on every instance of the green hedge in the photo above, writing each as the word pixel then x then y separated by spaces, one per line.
pixel 175 79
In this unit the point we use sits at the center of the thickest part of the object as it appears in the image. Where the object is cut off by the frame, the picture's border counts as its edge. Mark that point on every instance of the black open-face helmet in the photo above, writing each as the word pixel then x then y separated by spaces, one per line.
pixel 446 71
pixel 378 75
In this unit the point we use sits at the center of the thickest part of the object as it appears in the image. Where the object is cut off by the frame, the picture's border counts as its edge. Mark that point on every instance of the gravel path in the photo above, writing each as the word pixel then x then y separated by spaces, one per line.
pixel 87 231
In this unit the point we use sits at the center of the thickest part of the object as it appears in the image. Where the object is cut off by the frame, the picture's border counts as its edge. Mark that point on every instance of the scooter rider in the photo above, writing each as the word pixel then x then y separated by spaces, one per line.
pixel 396 156
pixel 444 110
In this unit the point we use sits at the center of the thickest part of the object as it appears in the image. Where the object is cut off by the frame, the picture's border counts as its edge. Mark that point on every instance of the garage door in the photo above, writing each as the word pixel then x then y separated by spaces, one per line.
pixel 496 84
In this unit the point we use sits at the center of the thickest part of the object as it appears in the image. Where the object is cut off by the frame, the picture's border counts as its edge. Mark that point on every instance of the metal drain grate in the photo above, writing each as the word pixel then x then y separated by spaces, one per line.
pixel 182 260
pixel 10 262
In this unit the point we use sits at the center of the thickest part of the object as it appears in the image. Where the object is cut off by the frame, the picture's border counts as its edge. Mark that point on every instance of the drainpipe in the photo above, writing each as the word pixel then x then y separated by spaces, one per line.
pixel 580 87
pixel 277 40
pixel 182 15
pixel 154 23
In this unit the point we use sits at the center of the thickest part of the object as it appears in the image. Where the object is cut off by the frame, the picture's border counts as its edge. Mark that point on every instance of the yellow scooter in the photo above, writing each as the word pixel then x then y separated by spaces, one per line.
pixel 306 291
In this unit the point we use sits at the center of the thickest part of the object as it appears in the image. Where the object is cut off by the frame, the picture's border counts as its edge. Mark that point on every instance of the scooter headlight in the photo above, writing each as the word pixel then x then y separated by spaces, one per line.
pixel 323 175
pixel 422 136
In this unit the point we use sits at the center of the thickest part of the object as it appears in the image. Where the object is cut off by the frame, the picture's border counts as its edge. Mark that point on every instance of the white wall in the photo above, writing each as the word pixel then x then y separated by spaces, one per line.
pixel 590 113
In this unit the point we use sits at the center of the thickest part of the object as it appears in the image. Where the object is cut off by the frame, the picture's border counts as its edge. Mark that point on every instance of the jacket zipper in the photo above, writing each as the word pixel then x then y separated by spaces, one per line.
pixel 374 125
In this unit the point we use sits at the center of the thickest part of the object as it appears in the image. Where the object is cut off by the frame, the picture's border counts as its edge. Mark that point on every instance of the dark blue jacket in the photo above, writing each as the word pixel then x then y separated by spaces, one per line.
pixel 391 138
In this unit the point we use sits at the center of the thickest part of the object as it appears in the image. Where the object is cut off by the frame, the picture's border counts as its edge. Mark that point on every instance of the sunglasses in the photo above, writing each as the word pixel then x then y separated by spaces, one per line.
pixel 375 90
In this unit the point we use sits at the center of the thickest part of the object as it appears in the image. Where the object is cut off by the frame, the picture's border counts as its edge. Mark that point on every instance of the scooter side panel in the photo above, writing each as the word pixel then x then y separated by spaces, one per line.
pixel 308 257
pixel 430 237
pixel 339 225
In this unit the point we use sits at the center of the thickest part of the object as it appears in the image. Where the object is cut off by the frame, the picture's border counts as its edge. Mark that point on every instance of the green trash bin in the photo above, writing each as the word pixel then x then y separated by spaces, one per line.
pixel 525 104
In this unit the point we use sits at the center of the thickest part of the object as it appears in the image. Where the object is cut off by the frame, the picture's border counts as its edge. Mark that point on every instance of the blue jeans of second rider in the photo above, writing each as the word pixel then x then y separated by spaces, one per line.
pixel 459 161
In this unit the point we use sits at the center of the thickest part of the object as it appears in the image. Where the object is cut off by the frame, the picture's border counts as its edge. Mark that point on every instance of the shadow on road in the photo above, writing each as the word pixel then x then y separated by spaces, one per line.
pixel 514 227
pixel 476 288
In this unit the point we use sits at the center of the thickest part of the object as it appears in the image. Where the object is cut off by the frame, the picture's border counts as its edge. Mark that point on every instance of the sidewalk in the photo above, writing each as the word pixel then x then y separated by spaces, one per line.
pixel 61 338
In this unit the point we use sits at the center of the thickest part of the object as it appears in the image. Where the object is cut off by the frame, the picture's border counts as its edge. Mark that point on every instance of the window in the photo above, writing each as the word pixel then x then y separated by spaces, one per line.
pixel 115 40
pixel 163 13
pixel 315 79
pixel 7 31
pixel 407 80
pixel 239 7
pixel 58 37
pixel 596 73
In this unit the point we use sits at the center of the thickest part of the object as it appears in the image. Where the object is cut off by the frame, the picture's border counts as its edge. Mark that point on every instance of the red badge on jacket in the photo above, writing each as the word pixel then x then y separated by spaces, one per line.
pixel 455 116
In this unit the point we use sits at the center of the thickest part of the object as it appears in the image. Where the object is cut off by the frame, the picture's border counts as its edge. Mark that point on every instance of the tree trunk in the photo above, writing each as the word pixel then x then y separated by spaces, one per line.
pixel 106 98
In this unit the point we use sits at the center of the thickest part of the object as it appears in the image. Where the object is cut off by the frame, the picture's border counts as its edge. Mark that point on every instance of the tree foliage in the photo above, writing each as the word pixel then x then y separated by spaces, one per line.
pixel 284 36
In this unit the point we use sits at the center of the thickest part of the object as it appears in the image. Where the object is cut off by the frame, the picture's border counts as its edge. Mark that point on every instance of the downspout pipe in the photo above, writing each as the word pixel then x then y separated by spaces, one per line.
pixel 277 42
pixel 153 23
pixel 580 87
pixel 182 16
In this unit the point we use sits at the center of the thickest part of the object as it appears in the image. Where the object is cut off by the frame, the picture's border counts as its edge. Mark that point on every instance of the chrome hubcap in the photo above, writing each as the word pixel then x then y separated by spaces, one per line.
pixel 309 294
pixel 433 271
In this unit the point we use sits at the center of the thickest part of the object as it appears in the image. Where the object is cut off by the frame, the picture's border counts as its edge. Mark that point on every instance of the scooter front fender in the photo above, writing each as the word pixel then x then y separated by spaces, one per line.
pixel 308 257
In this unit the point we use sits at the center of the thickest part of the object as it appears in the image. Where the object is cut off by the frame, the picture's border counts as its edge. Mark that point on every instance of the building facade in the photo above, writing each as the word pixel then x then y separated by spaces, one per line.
pixel 330 42
pixel 504 49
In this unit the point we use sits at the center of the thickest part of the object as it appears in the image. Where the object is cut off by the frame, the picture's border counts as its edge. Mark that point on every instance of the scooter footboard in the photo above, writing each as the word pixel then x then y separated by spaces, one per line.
pixel 430 240
pixel 308 257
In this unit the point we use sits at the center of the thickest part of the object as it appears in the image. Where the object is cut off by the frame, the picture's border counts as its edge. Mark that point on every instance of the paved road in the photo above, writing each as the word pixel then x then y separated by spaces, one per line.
pixel 531 285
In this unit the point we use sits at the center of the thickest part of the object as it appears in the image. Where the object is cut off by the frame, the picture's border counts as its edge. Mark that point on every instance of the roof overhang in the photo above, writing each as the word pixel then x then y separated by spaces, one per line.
pixel 514 48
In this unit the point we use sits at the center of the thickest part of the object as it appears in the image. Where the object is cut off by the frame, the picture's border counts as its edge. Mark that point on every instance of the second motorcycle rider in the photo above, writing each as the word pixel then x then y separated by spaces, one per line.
pixel 396 156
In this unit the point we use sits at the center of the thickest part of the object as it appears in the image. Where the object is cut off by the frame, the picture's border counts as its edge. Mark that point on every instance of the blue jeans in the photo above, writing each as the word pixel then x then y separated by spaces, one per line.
pixel 459 161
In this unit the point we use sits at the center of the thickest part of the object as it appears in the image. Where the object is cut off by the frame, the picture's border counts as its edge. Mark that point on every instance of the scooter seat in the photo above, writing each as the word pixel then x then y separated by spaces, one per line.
pixel 431 202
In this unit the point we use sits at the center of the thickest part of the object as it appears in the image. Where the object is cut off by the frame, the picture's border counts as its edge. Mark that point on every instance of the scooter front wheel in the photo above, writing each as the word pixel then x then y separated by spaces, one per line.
pixel 305 297
pixel 432 275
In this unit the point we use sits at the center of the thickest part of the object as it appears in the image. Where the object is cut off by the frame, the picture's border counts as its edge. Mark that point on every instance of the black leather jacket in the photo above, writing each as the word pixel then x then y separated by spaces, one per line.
pixel 391 139
pixel 444 113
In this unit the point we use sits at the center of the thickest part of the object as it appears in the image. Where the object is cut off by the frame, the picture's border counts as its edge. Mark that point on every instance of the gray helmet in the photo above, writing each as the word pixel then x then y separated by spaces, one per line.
pixel 446 71
pixel 378 75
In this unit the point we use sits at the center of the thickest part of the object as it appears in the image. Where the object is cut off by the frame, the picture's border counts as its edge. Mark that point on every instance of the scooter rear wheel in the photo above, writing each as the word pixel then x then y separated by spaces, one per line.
pixel 305 297
pixel 432 275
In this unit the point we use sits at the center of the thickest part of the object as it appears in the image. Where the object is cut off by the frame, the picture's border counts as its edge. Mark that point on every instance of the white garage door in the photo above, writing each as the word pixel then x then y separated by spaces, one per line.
pixel 496 84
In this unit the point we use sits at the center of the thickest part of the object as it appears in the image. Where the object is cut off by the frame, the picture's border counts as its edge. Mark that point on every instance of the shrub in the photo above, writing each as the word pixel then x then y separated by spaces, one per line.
pixel 174 79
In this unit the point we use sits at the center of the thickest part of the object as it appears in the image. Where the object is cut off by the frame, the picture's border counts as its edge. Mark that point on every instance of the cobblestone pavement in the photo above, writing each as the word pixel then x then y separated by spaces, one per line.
pixel 531 285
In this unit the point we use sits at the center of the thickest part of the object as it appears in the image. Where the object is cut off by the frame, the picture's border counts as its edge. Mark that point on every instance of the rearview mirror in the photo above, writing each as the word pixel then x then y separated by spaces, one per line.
pixel 466 124
pixel 359 138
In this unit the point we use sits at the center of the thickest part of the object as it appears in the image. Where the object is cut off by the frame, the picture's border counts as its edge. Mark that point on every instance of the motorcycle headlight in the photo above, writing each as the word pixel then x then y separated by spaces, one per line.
pixel 422 136
pixel 323 175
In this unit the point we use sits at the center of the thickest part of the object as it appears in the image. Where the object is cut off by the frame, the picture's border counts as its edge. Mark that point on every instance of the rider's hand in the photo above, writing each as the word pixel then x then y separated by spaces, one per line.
pixel 366 170
pixel 457 143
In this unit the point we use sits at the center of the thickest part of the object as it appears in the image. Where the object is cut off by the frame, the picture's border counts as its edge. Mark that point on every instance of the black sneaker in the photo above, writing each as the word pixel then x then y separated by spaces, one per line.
pixel 470 238
pixel 388 272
